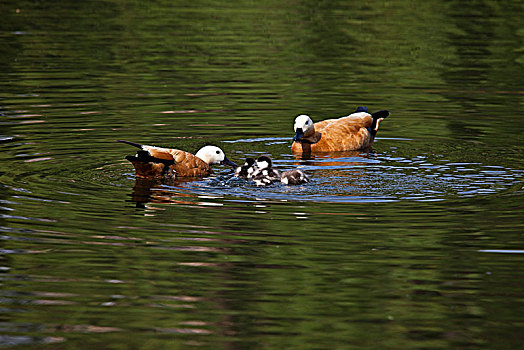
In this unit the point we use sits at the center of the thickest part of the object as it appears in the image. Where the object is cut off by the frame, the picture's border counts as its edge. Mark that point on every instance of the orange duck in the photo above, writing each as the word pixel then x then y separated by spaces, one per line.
pixel 355 132
pixel 154 162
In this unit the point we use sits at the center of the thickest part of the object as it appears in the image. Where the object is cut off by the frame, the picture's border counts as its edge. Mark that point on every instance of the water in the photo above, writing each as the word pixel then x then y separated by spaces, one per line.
pixel 415 245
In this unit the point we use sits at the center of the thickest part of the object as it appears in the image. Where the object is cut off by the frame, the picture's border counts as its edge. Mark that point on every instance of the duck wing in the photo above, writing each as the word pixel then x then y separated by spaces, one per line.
pixel 345 125
pixel 346 133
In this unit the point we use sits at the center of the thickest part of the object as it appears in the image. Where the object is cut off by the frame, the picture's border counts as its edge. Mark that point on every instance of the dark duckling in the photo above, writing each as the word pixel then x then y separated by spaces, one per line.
pixel 294 177
pixel 246 171
pixel 265 174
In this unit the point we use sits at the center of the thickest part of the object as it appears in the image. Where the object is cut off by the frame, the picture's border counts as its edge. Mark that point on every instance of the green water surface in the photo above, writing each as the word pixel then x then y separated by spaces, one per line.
pixel 417 244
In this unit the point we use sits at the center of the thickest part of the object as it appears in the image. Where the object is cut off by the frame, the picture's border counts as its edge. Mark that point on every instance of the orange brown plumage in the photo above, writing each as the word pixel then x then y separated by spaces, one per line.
pixel 152 161
pixel 354 132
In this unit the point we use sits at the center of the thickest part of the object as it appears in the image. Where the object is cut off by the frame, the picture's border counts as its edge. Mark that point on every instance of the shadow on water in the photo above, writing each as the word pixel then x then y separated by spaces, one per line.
pixel 157 191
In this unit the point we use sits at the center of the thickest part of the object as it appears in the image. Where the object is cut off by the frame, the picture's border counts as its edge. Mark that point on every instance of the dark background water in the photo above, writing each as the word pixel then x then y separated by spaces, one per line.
pixel 417 244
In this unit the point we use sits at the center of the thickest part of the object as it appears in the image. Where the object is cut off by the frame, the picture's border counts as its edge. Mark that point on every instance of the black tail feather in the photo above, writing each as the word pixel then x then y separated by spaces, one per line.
pixel 380 114
pixel 144 156
pixel 137 145
pixel 376 116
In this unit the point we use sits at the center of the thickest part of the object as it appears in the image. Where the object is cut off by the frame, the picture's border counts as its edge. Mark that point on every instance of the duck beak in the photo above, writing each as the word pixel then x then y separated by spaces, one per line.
pixel 228 162
pixel 298 135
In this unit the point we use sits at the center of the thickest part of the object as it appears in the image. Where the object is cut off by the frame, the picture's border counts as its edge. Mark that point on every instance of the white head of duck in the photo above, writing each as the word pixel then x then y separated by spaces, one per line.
pixel 213 155
pixel 303 126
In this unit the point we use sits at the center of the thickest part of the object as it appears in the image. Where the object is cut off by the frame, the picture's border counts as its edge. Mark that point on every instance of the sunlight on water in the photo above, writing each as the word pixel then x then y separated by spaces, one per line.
pixel 367 177
pixel 502 251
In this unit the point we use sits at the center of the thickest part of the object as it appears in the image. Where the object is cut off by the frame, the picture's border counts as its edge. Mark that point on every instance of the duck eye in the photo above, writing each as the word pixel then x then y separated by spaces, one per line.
pixel 218 152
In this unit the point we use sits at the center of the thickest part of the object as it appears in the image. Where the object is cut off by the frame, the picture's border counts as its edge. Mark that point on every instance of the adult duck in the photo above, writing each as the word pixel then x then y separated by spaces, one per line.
pixel 152 161
pixel 354 132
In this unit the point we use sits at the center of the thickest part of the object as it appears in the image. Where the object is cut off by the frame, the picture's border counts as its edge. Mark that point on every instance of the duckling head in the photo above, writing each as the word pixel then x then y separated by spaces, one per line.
pixel 214 155
pixel 264 162
pixel 247 169
pixel 249 162
pixel 303 127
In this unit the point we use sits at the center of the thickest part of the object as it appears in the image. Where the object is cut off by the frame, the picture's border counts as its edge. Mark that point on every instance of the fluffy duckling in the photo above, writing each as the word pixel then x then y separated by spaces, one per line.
pixel 294 177
pixel 246 171
pixel 265 174
pixel 353 132
pixel 151 161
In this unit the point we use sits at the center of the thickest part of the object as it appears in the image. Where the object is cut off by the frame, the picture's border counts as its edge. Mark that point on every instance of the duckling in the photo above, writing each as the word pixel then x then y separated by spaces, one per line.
pixel 151 161
pixel 265 174
pixel 246 171
pixel 353 132
pixel 294 177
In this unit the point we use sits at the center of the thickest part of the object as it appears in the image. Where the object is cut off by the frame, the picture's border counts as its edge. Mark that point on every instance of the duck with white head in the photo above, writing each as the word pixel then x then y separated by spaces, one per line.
pixel 152 161
pixel 354 132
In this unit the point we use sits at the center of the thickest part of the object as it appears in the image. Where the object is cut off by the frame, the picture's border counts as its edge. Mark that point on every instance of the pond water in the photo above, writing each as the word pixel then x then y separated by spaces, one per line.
pixel 416 244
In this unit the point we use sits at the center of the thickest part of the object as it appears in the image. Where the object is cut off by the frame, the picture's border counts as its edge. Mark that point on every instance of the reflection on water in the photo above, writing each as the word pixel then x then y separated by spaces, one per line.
pixel 414 244
pixel 151 190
